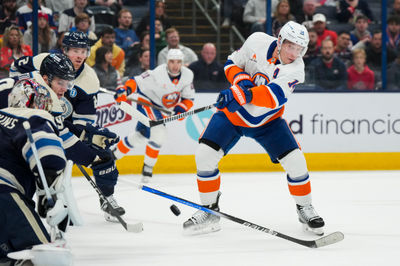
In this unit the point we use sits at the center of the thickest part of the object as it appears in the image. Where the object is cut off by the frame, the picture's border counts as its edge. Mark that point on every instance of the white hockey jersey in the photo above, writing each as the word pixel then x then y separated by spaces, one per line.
pixel 157 87
pixel 274 82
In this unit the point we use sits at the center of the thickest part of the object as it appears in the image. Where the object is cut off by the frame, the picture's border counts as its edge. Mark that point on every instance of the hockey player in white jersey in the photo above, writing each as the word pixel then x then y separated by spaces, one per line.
pixel 169 86
pixel 21 227
pixel 263 74
pixel 80 111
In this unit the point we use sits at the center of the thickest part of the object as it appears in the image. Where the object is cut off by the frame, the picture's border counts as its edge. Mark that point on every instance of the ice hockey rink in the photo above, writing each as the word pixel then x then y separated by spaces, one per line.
pixel 365 206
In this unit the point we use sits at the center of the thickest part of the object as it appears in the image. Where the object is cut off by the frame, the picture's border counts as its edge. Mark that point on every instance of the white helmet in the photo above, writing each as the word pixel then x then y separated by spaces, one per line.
pixel 28 91
pixel 174 54
pixel 296 33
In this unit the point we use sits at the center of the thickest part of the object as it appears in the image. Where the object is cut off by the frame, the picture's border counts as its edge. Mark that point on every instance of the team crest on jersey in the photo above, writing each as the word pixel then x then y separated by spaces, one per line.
pixel 73 92
pixel 67 108
pixel 171 99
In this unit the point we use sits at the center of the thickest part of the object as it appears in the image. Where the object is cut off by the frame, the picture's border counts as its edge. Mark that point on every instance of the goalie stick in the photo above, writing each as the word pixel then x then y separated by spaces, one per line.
pixel 320 242
pixel 151 123
pixel 136 228
pixel 134 98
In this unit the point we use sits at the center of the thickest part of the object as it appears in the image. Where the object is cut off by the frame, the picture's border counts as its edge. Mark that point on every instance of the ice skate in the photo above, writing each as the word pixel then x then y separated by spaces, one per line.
pixel 111 211
pixel 310 219
pixel 147 173
pixel 203 222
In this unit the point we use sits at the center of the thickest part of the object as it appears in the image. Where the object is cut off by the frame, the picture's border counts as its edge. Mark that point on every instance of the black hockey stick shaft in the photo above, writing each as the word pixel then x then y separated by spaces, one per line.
pixel 323 241
pixel 181 115
pixel 101 195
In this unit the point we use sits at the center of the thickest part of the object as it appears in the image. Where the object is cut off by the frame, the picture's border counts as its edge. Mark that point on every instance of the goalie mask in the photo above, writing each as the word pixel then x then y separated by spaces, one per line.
pixel 28 93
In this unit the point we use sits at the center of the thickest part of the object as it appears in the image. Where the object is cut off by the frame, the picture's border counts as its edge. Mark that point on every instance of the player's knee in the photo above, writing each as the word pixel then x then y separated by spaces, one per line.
pixel 207 158
pixel 294 164
pixel 158 135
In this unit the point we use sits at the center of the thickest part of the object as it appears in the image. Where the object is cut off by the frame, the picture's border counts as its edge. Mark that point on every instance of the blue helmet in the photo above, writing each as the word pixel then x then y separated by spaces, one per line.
pixel 76 39
pixel 57 65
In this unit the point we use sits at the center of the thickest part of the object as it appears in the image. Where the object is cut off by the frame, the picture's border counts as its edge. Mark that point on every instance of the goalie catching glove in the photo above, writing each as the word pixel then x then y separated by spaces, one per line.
pixel 99 136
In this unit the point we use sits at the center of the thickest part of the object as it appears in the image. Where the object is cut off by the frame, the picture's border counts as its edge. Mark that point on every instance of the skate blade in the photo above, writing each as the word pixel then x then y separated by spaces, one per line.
pixel 201 231
pixel 316 231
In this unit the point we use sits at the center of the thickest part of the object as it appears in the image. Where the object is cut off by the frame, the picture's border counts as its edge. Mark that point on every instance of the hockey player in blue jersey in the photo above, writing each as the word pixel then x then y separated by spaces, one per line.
pixel 21 227
pixel 78 114
pixel 263 74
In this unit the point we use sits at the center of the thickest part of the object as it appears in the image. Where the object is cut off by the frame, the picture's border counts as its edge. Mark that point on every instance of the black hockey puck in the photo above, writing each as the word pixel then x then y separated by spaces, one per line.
pixel 175 210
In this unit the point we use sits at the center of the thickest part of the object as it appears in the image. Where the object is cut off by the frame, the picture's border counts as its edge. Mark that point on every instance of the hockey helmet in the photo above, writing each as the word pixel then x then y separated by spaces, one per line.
pixel 174 54
pixel 296 33
pixel 28 91
pixel 57 65
pixel 76 39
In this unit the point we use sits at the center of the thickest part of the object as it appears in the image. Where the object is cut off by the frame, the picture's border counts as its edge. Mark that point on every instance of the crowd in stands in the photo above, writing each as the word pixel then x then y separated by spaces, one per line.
pixel 344 51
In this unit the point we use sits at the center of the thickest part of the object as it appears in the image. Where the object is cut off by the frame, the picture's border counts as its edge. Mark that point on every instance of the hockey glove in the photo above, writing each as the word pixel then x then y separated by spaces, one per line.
pixel 233 98
pixel 245 84
pixel 99 136
pixel 105 172
pixel 121 94
pixel 179 110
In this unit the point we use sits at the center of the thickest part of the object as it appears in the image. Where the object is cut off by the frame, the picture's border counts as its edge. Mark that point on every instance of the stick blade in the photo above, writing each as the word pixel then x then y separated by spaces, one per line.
pixel 134 113
pixel 329 239
pixel 135 228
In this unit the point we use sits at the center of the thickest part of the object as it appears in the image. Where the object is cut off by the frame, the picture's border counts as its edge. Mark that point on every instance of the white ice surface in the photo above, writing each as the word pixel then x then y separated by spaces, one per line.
pixel 365 206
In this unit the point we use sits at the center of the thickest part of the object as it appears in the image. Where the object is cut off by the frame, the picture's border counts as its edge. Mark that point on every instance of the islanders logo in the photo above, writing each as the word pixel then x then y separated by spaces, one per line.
pixel 171 99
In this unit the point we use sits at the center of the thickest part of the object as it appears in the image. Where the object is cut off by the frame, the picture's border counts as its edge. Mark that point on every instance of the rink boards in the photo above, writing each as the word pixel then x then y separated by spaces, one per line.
pixel 337 131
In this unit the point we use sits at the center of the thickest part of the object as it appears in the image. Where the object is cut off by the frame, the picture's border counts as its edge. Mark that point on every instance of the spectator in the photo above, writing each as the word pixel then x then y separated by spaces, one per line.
pixel 395 8
pixel 58 48
pixel 393 32
pixel 328 72
pixel 360 32
pixel 281 16
pixel 125 36
pixel 161 41
pixel 8 15
pixel 342 49
pixel 160 14
pixel 349 10
pixel 24 15
pixel 144 64
pixel 47 38
pixel 393 74
pixel 319 21
pixel 360 77
pixel 107 39
pixel 296 7
pixel 13 48
pixel 109 77
pixel 114 5
pixel 59 6
pixel 233 11
pixel 255 13
pixel 82 24
pixel 208 73
pixel 136 50
pixel 67 17
pixel 306 16
pixel 313 50
pixel 172 37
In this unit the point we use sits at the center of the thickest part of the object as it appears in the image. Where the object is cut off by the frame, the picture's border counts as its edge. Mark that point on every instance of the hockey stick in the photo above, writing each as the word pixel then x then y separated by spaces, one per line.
pixel 320 242
pixel 136 228
pixel 151 123
pixel 136 100
pixel 39 166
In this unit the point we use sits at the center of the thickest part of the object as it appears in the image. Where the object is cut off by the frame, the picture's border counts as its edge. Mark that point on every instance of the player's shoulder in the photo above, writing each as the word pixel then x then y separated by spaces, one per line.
pixel 38 59
pixel 23 114
pixel 257 37
pixel 187 73
pixel 87 80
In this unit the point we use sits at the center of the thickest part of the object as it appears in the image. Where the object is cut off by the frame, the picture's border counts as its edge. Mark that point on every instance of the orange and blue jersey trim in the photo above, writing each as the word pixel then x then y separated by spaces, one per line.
pixel 243 119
